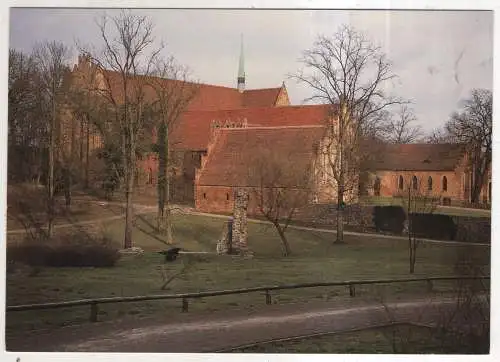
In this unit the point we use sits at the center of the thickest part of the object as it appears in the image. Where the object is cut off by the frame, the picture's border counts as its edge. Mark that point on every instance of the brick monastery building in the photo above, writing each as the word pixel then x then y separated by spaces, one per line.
pixel 216 139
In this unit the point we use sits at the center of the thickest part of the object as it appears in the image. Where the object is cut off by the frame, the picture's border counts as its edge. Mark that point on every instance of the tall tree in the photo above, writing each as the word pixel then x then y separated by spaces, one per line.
pixel 126 62
pixel 51 59
pixel 351 74
pixel 401 127
pixel 473 126
pixel 25 126
pixel 173 93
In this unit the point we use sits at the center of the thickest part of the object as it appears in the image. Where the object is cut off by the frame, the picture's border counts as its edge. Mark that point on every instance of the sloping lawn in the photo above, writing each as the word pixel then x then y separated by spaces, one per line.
pixel 314 259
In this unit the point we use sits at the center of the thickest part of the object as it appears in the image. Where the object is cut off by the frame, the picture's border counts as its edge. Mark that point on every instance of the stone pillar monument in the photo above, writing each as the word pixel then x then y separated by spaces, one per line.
pixel 235 235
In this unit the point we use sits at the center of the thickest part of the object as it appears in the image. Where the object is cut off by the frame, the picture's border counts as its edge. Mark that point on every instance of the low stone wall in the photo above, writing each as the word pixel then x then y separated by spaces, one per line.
pixel 360 218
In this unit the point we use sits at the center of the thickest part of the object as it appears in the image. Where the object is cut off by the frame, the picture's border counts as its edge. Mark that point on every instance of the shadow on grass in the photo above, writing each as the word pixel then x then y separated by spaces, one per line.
pixel 153 233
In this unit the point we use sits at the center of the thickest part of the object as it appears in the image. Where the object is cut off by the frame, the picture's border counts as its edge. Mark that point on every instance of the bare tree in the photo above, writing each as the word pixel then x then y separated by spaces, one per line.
pixel 350 73
pixel 439 135
pixel 126 61
pixel 418 199
pixel 173 93
pixel 87 108
pixel 26 127
pixel 284 185
pixel 401 129
pixel 473 126
pixel 52 61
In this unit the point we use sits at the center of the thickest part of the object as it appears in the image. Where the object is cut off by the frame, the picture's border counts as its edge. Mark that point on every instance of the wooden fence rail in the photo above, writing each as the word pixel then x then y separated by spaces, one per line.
pixel 94 310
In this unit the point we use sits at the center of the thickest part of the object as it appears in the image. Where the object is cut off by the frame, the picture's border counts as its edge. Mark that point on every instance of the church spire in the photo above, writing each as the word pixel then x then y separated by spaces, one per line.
pixel 241 69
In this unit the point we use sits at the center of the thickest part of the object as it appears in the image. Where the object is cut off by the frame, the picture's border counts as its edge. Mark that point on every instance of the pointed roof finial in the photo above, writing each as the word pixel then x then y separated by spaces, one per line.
pixel 241 68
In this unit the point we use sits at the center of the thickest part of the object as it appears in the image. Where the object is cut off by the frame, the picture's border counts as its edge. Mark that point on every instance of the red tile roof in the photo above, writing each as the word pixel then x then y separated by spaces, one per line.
pixel 193 131
pixel 260 97
pixel 414 157
pixel 233 159
pixel 208 97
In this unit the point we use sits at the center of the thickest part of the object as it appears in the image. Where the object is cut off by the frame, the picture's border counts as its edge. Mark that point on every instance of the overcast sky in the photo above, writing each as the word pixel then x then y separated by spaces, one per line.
pixel 439 56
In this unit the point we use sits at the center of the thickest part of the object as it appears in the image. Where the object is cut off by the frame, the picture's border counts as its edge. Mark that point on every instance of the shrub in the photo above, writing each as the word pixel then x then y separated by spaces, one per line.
pixel 77 250
pixel 433 226
pixel 389 218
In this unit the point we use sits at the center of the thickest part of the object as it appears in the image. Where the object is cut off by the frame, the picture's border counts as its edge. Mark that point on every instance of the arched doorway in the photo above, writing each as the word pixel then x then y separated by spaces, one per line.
pixel 376 187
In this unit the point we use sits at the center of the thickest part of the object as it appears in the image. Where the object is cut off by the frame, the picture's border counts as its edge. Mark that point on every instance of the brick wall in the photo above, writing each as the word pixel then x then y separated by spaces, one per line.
pixel 389 183
pixel 216 199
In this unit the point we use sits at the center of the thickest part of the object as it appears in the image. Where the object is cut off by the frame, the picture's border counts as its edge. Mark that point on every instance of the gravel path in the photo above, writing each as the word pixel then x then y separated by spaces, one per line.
pixel 191 333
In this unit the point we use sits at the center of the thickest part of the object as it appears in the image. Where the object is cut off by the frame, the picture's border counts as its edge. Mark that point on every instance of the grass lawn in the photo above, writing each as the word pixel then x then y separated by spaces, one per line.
pixel 407 339
pixel 314 259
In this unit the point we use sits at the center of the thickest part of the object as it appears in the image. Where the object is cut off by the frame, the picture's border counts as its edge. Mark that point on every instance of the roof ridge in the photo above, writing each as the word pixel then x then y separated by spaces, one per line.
pixel 280 108
pixel 271 127
pixel 261 89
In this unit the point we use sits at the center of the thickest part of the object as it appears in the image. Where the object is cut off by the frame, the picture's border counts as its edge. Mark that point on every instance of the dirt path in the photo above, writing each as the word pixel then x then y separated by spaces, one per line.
pixel 215 332
pixel 140 209
pixel 144 209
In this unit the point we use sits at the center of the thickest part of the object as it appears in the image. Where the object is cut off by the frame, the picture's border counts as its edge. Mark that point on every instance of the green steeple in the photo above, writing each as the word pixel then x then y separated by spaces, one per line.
pixel 241 69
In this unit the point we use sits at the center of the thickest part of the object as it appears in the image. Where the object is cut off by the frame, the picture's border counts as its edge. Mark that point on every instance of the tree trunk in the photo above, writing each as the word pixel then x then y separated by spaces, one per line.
pixel 284 242
pixel 50 175
pixel 412 254
pixel 87 151
pixel 164 222
pixel 411 238
pixel 129 187
pixel 67 186
pixel 340 216
pixel 161 191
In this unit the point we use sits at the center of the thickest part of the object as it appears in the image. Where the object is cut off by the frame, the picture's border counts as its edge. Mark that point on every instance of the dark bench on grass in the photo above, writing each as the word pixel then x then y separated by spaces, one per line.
pixel 170 254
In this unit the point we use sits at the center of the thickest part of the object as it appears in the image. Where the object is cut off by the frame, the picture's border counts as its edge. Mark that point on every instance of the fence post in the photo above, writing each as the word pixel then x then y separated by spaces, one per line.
pixel 352 290
pixel 185 305
pixel 268 297
pixel 94 310
pixel 429 285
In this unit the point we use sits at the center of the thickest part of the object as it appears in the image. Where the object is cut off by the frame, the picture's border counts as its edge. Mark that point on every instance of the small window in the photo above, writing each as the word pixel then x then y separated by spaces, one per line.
pixel 227 196
pixel 429 183
pixel 204 195
pixel 401 182
pixel 414 182
pixel 445 183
